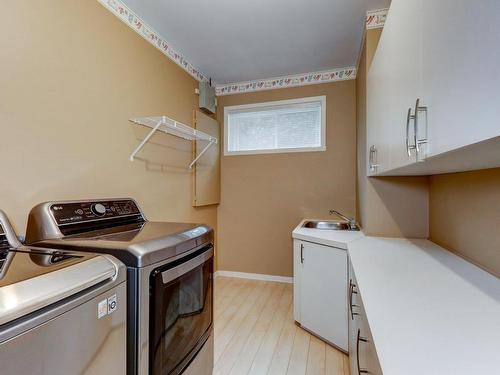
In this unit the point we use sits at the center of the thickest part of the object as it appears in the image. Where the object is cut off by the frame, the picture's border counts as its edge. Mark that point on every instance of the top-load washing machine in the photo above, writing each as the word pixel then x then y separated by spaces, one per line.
pixel 61 313
pixel 169 278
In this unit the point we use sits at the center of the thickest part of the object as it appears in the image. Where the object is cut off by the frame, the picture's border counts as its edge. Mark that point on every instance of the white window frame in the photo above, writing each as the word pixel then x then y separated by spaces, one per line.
pixel 322 147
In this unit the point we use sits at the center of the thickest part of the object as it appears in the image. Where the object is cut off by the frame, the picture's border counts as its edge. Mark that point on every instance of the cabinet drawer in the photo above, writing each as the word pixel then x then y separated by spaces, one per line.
pixel 362 352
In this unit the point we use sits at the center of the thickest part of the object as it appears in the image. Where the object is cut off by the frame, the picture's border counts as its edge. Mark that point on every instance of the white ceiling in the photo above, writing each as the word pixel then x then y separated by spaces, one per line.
pixel 241 40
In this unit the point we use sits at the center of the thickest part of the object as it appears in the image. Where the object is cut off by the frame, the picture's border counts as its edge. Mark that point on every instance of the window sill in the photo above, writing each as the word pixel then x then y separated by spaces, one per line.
pixel 275 151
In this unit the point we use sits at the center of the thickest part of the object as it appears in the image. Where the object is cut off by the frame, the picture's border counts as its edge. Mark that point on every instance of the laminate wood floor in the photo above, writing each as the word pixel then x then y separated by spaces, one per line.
pixel 255 333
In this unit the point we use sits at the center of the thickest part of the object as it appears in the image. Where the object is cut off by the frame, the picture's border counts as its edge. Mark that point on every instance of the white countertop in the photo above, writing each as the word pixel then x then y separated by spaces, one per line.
pixel 335 238
pixel 430 312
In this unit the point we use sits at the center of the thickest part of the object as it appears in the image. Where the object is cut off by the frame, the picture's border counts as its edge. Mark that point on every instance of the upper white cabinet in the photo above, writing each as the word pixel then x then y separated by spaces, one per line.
pixel 461 59
pixel 443 54
pixel 393 81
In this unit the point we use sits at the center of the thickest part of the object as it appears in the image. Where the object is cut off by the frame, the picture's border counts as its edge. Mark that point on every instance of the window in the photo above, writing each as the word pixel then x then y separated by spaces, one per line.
pixel 295 125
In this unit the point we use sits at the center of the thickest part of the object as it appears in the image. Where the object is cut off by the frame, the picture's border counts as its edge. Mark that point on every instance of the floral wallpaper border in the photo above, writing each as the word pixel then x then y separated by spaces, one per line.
pixel 287 81
pixel 376 18
pixel 138 25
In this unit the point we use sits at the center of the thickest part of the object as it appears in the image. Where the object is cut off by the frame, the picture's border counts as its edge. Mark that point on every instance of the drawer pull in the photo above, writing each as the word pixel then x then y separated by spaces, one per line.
pixel 362 339
pixel 351 292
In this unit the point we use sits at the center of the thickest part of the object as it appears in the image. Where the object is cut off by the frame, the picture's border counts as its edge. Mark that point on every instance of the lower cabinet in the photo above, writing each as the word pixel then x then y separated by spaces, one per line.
pixel 320 291
pixel 328 303
pixel 362 353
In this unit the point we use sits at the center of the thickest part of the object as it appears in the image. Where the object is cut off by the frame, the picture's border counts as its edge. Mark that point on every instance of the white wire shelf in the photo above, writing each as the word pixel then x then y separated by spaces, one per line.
pixel 175 128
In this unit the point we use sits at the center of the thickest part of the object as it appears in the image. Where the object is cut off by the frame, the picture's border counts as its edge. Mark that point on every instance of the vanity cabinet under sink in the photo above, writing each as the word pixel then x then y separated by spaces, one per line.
pixel 320 291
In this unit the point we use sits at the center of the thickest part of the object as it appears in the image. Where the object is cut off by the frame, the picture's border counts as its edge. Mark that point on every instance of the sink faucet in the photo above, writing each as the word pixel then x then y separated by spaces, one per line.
pixel 352 223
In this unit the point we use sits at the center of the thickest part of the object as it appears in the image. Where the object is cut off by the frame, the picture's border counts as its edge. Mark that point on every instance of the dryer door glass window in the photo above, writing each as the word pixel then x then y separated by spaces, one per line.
pixel 180 312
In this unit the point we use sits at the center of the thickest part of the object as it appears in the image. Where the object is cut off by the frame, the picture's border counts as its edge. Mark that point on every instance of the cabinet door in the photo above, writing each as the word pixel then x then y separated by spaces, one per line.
pixel 367 360
pixel 377 146
pixel 394 83
pixel 377 97
pixel 206 171
pixel 460 71
pixel 323 293
pixel 353 321
pixel 362 351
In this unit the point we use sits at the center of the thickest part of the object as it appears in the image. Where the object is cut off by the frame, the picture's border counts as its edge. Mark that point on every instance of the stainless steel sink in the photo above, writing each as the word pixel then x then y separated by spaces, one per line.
pixel 329 225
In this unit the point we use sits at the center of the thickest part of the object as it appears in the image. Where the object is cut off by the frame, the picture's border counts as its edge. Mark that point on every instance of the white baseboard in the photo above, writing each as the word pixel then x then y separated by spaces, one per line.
pixel 255 276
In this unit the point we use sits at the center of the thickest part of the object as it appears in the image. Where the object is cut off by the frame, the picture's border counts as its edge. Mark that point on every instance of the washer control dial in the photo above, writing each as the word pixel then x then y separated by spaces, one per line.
pixel 98 209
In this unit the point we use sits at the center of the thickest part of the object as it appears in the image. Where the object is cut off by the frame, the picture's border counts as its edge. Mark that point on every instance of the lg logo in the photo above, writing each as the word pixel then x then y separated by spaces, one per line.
pixel 106 306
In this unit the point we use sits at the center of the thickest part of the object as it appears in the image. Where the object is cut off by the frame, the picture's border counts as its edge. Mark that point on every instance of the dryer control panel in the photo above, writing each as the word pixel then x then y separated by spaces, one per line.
pixel 79 212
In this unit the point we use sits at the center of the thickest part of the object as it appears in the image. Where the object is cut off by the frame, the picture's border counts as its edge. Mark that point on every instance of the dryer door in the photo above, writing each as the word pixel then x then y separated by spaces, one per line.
pixel 180 311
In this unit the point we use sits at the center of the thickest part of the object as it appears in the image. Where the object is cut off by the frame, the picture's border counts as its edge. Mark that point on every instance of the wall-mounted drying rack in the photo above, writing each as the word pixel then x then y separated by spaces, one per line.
pixel 175 128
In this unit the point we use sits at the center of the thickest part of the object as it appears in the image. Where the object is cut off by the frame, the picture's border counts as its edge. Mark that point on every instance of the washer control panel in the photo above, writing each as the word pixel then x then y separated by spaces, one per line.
pixel 80 212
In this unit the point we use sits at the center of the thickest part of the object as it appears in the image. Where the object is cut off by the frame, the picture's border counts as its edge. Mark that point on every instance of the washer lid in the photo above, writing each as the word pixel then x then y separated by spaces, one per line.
pixel 31 280
pixel 25 263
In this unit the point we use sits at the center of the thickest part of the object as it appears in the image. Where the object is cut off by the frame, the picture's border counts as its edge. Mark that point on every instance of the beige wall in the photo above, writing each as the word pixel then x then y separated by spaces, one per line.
pixel 465 215
pixel 263 197
pixel 387 206
pixel 72 76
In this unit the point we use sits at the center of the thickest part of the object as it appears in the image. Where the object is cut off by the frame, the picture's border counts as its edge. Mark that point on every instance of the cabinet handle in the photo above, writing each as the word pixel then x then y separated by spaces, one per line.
pixel 362 339
pixel 302 253
pixel 373 152
pixel 351 292
pixel 418 142
pixel 409 147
